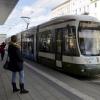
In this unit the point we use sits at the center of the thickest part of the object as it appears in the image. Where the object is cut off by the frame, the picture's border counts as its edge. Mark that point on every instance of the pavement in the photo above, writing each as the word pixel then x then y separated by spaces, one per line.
pixel 41 86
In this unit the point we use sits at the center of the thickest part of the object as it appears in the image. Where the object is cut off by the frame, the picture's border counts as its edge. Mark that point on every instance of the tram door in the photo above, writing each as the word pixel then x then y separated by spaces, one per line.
pixel 58 56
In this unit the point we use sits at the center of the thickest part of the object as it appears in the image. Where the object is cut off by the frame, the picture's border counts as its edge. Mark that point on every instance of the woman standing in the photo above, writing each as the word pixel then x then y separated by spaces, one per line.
pixel 16 63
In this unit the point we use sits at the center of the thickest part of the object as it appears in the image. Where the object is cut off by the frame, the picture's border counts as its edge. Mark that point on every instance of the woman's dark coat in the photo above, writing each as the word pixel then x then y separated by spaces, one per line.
pixel 15 58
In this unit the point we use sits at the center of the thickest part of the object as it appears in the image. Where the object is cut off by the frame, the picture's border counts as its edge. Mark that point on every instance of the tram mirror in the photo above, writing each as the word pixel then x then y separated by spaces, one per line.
pixel 69 29
pixel 73 29
pixel 79 29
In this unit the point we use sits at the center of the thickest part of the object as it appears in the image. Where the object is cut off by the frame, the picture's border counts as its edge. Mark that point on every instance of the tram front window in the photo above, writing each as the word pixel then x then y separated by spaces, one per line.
pixel 89 38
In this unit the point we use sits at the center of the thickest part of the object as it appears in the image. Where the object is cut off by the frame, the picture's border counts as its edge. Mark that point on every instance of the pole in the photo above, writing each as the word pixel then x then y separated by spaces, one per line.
pixel 27 26
pixel 21 42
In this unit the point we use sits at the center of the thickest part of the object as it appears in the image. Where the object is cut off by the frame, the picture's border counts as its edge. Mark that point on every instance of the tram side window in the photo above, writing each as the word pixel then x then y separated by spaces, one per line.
pixel 30 46
pixel 24 46
pixel 24 43
pixel 45 41
pixel 70 45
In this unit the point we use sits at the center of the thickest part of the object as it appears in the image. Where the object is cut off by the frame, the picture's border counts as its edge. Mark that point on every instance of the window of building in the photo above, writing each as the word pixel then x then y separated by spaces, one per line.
pixel 76 11
pixel 95 5
pixel 80 9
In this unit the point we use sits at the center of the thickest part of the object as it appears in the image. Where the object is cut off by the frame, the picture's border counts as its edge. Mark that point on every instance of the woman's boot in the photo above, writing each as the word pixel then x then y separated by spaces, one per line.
pixel 22 90
pixel 15 89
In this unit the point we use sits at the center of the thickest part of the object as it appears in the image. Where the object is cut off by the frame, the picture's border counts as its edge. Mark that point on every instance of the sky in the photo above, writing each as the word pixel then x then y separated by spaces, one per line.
pixel 38 11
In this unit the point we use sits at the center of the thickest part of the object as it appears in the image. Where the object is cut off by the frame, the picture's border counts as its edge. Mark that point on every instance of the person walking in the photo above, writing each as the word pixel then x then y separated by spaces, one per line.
pixel 16 63
pixel 2 50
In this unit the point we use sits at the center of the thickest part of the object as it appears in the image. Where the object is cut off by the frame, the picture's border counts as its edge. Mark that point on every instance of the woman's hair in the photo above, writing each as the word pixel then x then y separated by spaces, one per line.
pixel 13 38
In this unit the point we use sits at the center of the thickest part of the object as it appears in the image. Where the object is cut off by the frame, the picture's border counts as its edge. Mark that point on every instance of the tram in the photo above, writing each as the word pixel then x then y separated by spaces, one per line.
pixel 70 43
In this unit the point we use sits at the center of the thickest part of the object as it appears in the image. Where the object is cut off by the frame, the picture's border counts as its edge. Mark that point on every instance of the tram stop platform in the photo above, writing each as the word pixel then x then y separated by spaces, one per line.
pixel 39 88
pixel 43 84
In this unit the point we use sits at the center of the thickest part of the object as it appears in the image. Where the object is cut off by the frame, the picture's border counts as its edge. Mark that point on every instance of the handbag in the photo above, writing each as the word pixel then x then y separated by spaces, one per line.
pixel 6 65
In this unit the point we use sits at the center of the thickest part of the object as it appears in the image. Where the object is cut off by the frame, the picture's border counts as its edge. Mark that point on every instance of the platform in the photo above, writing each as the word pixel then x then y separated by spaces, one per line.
pixel 39 87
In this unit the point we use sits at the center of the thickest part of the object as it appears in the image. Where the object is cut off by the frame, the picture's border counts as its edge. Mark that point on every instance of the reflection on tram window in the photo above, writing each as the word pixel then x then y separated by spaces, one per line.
pixel 27 45
pixel 30 48
pixel 70 47
pixel 45 41
pixel 58 42
pixel 89 38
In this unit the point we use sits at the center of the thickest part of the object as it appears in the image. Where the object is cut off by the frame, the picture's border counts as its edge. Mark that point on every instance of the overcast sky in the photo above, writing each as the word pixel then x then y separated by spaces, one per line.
pixel 39 11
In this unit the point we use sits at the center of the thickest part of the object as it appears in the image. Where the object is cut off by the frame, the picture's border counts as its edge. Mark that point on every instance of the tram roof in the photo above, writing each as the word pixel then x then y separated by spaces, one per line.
pixel 6 6
pixel 68 18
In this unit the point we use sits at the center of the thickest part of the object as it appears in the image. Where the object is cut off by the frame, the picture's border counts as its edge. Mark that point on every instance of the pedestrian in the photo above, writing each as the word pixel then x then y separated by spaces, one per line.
pixel 16 62
pixel 2 50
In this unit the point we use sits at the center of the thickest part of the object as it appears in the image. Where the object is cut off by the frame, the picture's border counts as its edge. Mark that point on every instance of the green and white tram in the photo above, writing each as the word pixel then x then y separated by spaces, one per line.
pixel 70 43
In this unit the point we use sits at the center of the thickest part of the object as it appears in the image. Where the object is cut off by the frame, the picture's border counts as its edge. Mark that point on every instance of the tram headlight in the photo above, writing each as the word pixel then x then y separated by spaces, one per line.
pixel 82 70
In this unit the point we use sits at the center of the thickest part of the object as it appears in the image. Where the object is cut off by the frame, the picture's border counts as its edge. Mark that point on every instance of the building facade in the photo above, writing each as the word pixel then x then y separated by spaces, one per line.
pixel 61 9
pixel 77 7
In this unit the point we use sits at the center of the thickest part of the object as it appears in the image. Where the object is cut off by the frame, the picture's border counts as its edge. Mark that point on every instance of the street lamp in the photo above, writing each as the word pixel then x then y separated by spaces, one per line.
pixel 26 19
